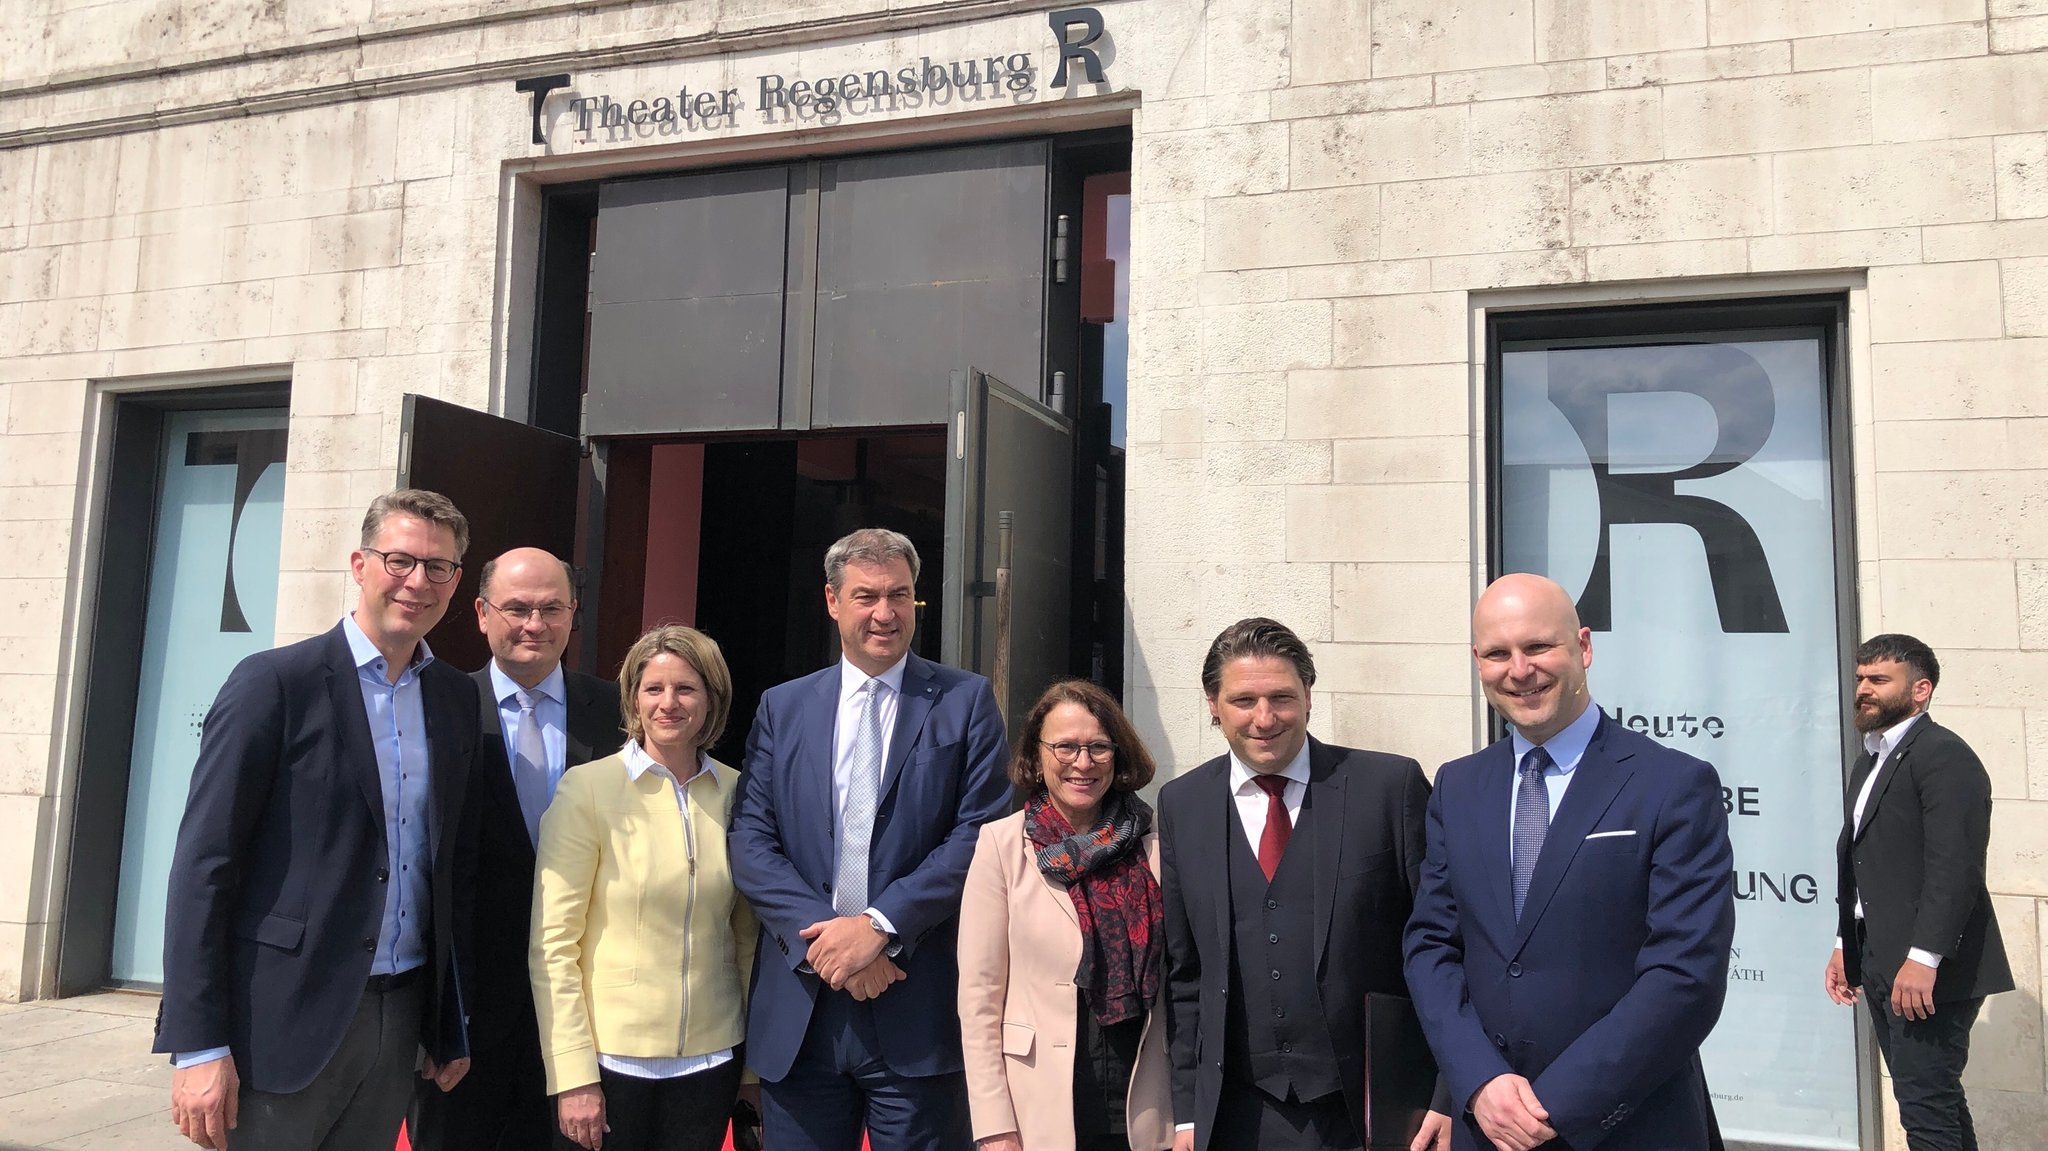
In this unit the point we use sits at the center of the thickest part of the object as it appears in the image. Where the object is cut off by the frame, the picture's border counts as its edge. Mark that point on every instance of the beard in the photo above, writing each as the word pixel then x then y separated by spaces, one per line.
pixel 1883 715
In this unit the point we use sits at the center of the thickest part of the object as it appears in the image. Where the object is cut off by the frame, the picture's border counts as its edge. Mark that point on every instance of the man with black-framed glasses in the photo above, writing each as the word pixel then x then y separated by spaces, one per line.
pixel 309 937
pixel 539 719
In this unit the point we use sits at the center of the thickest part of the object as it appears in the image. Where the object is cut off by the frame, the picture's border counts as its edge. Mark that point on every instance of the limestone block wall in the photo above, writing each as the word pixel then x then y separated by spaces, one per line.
pixel 1323 191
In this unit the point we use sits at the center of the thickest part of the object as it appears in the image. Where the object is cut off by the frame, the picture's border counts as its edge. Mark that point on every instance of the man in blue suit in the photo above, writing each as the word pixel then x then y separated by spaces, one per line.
pixel 1568 951
pixel 309 938
pixel 866 785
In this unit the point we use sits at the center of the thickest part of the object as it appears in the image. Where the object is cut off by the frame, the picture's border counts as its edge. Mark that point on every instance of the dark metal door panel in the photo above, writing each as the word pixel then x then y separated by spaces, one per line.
pixel 514 482
pixel 925 261
pixel 1008 453
pixel 686 309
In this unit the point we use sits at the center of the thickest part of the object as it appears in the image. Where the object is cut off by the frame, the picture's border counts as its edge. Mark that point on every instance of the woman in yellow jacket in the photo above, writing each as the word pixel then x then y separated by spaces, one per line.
pixel 1060 943
pixel 641 947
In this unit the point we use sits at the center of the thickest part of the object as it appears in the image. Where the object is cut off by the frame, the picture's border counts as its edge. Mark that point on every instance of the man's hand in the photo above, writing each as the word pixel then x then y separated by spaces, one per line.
pixel 1836 983
pixel 205 1101
pixel 445 1075
pixel 1509 1114
pixel 1007 1141
pixel 1435 1134
pixel 842 946
pixel 1913 990
pixel 874 979
pixel 580 1111
pixel 1184 1140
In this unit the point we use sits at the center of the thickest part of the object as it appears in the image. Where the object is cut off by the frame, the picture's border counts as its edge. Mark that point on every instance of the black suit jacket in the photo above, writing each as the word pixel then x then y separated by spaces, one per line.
pixel 501 1011
pixel 1918 863
pixel 1370 810
pixel 278 880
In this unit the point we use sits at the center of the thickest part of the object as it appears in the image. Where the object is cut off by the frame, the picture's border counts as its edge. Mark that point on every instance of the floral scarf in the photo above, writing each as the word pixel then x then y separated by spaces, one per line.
pixel 1115 898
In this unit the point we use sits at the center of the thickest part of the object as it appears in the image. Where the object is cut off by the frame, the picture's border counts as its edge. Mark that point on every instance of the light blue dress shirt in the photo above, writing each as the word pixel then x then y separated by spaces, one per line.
pixel 552 712
pixel 398 731
pixel 1566 749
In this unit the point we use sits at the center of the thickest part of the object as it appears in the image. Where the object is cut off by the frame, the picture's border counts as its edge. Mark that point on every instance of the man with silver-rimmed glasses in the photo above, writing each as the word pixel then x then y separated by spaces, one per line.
pixel 309 937
pixel 539 719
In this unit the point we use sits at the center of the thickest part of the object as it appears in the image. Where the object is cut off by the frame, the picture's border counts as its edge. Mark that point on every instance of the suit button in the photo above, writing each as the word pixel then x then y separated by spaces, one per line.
pixel 369 945
pixel 1273 938
pixel 1276 974
pixel 828 889
pixel 383 875
pixel 1286 1048
pixel 1514 970
pixel 1499 1040
pixel 1272 905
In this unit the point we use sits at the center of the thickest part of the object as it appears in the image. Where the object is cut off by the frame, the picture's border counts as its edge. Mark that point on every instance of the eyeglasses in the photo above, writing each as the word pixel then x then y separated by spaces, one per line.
pixel 400 565
pixel 1067 753
pixel 550 613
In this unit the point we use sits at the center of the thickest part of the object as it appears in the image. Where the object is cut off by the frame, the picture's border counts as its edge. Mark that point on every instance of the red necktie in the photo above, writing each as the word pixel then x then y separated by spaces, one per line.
pixel 1279 828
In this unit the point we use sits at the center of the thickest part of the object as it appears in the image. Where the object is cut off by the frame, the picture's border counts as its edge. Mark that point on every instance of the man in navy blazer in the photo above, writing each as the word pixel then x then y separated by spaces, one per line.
pixel 308 938
pixel 866 785
pixel 1569 946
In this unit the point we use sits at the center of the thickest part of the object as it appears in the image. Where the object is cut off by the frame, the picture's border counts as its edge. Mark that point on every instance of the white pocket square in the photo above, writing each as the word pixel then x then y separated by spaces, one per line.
pixel 1609 834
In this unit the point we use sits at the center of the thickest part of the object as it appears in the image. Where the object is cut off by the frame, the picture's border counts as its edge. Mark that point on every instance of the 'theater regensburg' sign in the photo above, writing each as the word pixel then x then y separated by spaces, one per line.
pixel 909 84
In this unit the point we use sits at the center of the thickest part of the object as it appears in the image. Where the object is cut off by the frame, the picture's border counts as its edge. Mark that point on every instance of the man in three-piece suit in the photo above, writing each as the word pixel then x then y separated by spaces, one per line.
pixel 308 940
pixel 1287 867
pixel 1569 947
pixel 866 786
pixel 1919 943
pixel 538 719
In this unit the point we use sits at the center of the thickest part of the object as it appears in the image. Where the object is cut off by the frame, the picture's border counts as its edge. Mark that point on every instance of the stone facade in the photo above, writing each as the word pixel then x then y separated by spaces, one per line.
pixel 1324 193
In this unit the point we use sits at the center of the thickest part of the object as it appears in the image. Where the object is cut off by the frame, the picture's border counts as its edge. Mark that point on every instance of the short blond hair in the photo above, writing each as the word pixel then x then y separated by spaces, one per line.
pixel 693 647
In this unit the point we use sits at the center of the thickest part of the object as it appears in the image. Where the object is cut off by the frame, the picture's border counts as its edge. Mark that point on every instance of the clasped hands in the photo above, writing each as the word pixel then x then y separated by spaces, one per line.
pixel 1510 1116
pixel 846 952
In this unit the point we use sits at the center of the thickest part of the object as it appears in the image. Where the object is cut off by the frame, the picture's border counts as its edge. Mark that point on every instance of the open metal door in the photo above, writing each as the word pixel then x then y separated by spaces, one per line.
pixel 1009 511
pixel 516 483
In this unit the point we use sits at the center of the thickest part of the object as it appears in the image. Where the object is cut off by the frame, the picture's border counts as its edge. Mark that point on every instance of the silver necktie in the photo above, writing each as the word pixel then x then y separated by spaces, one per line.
pixel 530 765
pixel 857 818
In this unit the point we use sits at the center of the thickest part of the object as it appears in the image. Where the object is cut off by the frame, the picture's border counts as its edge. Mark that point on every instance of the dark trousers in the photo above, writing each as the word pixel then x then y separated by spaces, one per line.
pixel 688 1113
pixel 1248 1117
pixel 502 1104
pixel 840 1085
pixel 358 1100
pixel 1926 1058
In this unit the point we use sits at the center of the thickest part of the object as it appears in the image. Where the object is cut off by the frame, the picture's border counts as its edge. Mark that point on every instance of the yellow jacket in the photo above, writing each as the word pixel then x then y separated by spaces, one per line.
pixel 641 947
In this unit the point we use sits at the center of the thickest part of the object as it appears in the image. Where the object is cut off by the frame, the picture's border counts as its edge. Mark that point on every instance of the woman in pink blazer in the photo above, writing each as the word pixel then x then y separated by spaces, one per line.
pixel 1061 943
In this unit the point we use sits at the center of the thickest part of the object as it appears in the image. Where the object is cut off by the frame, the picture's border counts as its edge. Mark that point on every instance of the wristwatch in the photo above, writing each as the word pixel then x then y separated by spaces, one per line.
pixel 889 945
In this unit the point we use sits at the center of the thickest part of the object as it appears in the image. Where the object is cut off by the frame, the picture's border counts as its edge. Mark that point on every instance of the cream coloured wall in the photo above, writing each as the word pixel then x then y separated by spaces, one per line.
pixel 1323 191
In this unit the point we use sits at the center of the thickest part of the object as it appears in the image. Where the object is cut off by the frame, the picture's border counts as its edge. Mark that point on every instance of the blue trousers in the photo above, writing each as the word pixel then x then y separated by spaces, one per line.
pixel 840 1086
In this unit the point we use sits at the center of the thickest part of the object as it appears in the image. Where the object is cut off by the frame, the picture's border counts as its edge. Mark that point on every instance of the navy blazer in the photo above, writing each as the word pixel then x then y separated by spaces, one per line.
pixel 944 778
pixel 1602 993
pixel 277 881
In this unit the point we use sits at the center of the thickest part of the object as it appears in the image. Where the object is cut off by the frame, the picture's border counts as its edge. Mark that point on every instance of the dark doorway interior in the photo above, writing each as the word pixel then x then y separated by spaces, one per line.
pixel 735 533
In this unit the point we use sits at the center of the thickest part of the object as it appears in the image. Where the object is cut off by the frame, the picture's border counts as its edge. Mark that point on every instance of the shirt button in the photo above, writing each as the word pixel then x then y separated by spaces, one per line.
pixel 1274 938
pixel 1279 1013
pixel 1286 1048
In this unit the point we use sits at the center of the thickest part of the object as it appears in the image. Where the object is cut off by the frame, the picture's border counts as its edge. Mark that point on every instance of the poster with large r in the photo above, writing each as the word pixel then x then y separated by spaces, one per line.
pixel 1681 488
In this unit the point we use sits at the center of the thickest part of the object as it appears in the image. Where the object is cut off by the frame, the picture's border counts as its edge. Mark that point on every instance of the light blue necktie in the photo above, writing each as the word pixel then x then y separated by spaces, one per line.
pixel 857 819
pixel 530 764
pixel 1532 822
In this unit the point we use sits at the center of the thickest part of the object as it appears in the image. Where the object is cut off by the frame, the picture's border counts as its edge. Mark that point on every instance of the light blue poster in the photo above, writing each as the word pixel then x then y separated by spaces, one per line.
pixel 212 601
pixel 1682 491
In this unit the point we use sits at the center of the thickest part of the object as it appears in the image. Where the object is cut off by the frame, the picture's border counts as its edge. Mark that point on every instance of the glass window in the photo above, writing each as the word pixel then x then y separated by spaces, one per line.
pixel 1674 470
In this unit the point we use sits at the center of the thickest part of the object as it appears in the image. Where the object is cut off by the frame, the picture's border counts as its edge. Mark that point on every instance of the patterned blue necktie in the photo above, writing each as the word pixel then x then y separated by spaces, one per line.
pixel 857 819
pixel 1532 822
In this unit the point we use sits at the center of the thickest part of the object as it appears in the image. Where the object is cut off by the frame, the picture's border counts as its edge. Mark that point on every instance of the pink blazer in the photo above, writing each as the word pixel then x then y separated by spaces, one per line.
pixel 1020 944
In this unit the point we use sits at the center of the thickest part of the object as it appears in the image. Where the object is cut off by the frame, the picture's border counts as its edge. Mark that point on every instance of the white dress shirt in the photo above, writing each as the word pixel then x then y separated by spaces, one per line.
pixel 1880 745
pixel 846 727
pixel 639 763
pixel 1250 798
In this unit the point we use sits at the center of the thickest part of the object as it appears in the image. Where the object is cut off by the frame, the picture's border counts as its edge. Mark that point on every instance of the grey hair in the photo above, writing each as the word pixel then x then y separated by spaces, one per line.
pixel 419 503
pixel 868 546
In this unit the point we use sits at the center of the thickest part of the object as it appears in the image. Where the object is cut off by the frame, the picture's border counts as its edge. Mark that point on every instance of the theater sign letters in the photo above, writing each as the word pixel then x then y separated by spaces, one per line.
pixel 776 98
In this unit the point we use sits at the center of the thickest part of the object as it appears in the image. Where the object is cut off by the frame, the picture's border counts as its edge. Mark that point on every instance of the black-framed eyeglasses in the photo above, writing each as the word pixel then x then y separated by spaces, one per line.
pixel 550 613
pixel 400 565
pixel 1100 751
